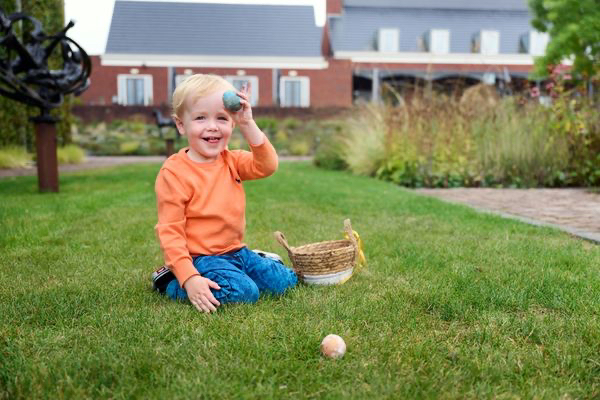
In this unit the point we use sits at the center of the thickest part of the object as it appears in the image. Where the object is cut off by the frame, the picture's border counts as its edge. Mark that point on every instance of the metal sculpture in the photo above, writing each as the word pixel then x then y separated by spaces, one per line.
pixel 25 76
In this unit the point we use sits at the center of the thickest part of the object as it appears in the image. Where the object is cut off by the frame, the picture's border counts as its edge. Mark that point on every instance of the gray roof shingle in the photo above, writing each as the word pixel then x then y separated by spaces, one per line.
pixel 356 29
pixel 139 27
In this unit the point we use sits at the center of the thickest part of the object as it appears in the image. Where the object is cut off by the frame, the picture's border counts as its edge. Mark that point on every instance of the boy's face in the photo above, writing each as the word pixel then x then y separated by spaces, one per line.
pixel 207 125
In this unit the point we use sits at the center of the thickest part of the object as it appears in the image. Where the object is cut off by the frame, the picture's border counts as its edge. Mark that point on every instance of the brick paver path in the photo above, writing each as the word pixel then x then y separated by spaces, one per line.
pixel 576 211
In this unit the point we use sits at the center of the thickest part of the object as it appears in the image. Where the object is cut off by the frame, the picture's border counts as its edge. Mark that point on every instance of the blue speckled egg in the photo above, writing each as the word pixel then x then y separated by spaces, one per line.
pixel 231 101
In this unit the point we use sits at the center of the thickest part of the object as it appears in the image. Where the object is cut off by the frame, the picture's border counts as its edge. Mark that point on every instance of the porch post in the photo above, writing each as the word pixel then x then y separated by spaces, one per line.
pixel 375 98
pixel 275 85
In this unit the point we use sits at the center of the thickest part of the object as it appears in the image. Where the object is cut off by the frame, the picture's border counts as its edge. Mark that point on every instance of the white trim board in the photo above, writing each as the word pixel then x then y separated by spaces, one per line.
pixel 161 60
pixel 429 58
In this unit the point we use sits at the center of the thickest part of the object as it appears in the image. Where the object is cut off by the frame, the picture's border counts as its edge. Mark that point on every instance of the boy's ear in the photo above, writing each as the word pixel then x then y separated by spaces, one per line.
pixel 179 125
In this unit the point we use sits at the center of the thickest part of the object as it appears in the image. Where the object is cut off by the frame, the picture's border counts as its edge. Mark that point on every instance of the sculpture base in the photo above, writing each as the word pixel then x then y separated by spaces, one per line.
pixel 47 161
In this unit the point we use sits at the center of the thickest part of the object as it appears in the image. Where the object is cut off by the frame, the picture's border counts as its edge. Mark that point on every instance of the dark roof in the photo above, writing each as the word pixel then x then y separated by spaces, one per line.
pixel 442 4
pixel 140 27
pixel 356 29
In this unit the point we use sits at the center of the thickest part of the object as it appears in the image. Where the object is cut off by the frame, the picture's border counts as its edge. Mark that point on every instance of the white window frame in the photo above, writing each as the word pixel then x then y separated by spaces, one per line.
pixel 538 42
pixel 253 82
pixel 304 90
pixel 439 41
pixel 122 87
pixel 388 40
pixel 489 42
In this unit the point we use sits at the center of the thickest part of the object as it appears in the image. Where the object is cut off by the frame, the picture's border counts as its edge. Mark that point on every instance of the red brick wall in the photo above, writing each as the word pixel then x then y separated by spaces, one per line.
pixel 331 87
pixel 104 82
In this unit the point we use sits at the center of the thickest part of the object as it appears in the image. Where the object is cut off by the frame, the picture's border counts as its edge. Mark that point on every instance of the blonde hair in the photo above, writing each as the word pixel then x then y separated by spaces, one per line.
pixel 194 87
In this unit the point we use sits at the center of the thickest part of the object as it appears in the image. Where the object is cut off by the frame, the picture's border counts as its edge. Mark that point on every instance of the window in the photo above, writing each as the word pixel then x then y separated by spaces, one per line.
pixel 239 81
pixel 294 91
pixel 490 42
pixel 537 43
pixel 134 89
pixel 388 40
pixel 439 41
pixel 534 43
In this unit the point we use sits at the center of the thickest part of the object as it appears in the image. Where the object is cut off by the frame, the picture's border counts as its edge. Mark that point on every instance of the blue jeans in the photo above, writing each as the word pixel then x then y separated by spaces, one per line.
pixel 242 276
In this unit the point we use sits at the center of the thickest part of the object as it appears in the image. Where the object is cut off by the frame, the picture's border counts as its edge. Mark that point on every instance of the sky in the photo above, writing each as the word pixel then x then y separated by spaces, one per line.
pixel 92 18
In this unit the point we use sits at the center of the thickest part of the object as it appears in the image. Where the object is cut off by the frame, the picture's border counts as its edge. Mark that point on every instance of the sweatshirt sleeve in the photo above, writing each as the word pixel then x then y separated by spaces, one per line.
pixel 171 200
pixel 261 162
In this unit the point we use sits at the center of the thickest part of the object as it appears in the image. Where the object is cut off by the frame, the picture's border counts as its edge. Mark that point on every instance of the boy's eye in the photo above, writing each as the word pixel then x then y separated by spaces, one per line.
pixel 200 117
pixel 224 118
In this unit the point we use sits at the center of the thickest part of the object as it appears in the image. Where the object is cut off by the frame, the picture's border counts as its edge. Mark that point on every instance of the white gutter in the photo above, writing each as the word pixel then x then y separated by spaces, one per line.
pixel 430 58
pixel 161 60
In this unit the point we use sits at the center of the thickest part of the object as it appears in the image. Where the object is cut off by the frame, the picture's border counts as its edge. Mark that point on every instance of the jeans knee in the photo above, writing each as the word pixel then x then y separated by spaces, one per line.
pixel 283 282
pixel 244 291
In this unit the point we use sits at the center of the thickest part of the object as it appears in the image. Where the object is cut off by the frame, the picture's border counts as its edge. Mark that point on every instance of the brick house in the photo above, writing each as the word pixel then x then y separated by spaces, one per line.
pixel 401 42
pixel 279 49
pixel 292 62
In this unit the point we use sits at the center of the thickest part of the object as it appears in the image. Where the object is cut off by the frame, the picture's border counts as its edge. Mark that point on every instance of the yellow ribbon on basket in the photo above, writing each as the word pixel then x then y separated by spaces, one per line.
pixel 362 260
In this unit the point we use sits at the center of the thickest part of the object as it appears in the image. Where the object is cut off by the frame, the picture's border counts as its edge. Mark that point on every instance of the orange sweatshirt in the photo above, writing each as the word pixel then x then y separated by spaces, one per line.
pixel 201 206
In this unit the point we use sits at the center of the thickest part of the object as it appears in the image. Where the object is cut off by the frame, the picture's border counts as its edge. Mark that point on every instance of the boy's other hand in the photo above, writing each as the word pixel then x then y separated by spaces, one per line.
pixel 198 291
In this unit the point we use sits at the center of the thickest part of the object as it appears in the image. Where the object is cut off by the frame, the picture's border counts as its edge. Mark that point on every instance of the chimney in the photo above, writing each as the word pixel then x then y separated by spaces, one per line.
pixel 334 7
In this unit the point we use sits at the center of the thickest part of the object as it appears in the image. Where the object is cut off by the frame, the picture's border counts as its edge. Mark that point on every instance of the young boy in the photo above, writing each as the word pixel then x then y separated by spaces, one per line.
pixel 201 201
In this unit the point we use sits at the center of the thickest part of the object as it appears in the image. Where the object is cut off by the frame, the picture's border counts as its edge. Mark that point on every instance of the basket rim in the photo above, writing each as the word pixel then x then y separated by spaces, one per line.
pixel 300 249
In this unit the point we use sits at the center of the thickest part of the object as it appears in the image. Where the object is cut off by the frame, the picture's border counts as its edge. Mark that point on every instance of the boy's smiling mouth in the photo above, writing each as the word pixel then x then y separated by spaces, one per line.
pixel 212 139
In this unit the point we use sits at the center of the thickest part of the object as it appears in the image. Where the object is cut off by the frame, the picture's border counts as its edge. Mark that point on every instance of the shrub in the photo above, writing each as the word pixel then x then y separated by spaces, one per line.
pixel 14 157
pixel 436 141
pixel 70 154
pixel 329 149
pixel 299 147
pixel 364 144
pixel 267 124
pixel 281 142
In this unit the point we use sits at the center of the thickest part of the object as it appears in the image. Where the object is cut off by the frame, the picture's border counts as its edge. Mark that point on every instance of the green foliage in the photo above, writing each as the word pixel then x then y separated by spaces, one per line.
pixel 70 154
pixel 122 137
pixel 574 28
pixel 330 146
pixel 14 157
pixel 300 147
pixel 281 140
pixel 15 127
pixel 267 124
pixel 364 145
pixel 437 142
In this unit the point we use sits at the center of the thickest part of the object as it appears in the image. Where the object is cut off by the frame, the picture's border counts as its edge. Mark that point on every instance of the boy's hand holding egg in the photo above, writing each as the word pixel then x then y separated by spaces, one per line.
pixel 231 101
pixel 238 105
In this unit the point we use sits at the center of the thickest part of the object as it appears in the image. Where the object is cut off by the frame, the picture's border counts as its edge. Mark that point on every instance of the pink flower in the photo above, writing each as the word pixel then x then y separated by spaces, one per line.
pixel 534 91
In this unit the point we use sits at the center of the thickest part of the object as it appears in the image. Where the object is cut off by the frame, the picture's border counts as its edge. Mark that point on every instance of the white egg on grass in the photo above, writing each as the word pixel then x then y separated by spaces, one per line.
pixel 333 346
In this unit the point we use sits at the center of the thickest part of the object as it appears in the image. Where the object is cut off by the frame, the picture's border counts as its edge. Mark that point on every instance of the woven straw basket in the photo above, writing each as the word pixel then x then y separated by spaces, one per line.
pixel 322 258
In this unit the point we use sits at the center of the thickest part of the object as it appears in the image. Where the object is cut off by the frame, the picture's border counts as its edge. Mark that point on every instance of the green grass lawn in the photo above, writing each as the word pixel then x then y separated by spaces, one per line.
pixel 453 304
